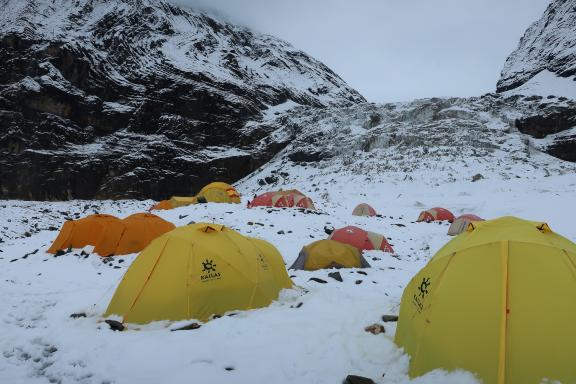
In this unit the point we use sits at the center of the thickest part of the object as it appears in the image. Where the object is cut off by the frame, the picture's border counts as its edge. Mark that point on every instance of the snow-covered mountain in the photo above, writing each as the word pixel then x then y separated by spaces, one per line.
pixel 434 140
pixel 101 98
pixel 549 45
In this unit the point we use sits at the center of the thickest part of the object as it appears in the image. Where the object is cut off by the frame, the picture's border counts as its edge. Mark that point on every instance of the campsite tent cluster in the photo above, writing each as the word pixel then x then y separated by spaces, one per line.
pixel 471 307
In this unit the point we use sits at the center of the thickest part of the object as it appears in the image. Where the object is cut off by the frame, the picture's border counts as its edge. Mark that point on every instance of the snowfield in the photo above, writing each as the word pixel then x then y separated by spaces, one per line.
pixel 311 334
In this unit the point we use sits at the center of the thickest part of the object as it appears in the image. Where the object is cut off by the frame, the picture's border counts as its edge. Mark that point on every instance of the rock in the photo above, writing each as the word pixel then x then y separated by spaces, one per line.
pixel 358 282
pixel 389 318
pixel 280 232
pixel 59 252
pixel 328 229
pixel 317 280
pixel 187 327
pixel 353 379
pixel 182 216
pixel 336 276
pixel 398 224
pixel 362 273
pixel 77 315
pixel 115 325
pixel 477 177
pixel 375 329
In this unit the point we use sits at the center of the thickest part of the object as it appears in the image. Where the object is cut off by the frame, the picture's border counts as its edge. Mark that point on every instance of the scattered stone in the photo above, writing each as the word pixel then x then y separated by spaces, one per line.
pixel 317 280
pixel 51 228
pixel 280 232
pixel 398 224
pixel 376 259
pixel 77 315
pixel 27 234
pixel 13 260
pixel 115 325
pixel 182 216
pixel 358 282
pixel 229 368
pixel 362 273
pixel 477 177
pixel 375 329
pixel 328 229
pixel 353 379
pixel 187 327
pixel 389 318
pixel 336 276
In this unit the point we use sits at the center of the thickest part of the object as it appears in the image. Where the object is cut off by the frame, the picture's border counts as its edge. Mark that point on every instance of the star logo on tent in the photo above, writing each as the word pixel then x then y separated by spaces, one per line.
pixel 423 288
pixel 208 266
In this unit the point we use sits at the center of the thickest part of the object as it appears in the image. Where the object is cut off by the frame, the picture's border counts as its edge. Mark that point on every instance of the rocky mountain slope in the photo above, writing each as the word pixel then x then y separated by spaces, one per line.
pixel 548 44
pixel 139 98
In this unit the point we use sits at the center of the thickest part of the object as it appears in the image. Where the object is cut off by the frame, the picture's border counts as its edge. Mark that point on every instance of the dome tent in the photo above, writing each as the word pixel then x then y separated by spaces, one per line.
pixel 435 214
pixel 323 254
pixel 289 198
pixel 110 235
pixel 216 192
pixel 364 210
pixel 460 223
pixel 472 306
pixel 197 271
pixel 361 239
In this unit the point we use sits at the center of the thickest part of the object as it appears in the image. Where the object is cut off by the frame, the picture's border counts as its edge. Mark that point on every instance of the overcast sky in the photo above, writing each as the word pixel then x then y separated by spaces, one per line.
pixel 395 50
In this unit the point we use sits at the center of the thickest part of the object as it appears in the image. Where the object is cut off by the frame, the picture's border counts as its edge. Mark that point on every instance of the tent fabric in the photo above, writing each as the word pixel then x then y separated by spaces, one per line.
pixel 324 254
pixel 361 239
pixel 162 205
pixel 460 223
pixel 140 229
pixel 182 201
pixel 477 303
pixel 364 210
pixel 110 235
pixel 196 271
pixel 91 230
pixel 289 198
pixel 435 214
pixel 217 192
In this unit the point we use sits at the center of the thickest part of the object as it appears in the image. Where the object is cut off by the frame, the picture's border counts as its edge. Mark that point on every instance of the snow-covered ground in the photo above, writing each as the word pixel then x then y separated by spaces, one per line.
pixel 313 334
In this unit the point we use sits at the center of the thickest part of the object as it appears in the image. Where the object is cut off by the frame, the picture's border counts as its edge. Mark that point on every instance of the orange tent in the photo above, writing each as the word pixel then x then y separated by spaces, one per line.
pixel 164 204
pixel 289 198
pixel 140 229
pixel 435 214
pixel 110 235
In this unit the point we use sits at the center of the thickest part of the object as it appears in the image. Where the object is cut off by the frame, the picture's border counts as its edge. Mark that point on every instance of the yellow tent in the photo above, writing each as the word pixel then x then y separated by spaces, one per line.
pixel 197 271
pixel 323 254
pixel 216 192
pixel 499 300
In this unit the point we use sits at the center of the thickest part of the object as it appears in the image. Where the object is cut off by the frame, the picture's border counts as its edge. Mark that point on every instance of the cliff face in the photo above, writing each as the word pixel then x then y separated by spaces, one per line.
pixel 139 98
pixel 543 66
pixel 548 44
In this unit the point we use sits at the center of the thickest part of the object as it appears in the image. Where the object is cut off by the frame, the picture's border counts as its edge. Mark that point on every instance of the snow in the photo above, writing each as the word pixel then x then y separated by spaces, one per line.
pixel 545 84
pixel 321 341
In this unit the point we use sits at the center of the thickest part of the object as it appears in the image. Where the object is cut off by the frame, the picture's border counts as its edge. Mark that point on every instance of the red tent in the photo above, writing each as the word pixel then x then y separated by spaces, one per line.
pixel 288 198
pixel 361 239
pixel 436 214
